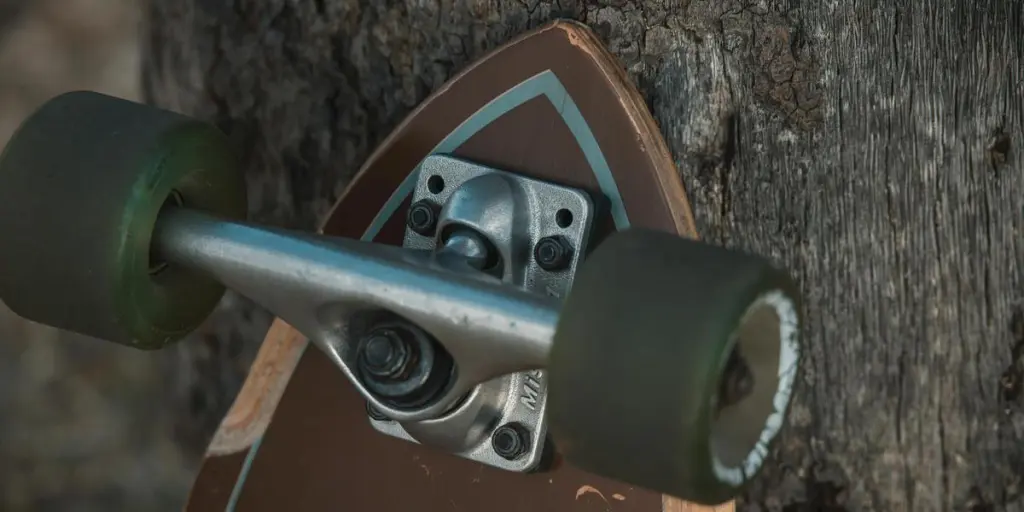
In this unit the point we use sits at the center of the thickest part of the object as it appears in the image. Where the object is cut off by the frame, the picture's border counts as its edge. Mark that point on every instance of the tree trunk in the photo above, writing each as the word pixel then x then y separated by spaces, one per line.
pixel 873 147
pixel 9 10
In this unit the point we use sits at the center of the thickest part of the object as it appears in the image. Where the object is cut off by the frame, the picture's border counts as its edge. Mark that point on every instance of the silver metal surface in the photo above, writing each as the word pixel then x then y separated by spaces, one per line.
pixel 470 246
pixel 333 289
pixel 511 214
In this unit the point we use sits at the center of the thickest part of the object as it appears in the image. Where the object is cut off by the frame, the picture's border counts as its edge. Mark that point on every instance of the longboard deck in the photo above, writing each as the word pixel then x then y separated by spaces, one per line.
pixel 553 104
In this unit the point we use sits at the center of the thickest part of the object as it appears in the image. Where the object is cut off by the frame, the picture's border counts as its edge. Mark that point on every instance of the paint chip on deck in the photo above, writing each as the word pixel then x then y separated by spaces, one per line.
pixel 585 489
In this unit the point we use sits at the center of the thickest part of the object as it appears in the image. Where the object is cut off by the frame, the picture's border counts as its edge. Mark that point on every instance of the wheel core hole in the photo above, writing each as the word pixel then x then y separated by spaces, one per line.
pixel 737 380
pixel 174 200
pixel 748 387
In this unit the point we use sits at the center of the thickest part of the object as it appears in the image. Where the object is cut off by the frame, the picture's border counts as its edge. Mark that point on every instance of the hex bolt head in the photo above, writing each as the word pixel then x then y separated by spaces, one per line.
pixel 383 353
pixel 422 217
pixel 510 441
pixel 553 253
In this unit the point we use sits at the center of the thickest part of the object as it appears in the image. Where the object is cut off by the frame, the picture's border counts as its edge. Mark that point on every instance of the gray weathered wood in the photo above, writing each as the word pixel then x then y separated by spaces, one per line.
pixel 874 147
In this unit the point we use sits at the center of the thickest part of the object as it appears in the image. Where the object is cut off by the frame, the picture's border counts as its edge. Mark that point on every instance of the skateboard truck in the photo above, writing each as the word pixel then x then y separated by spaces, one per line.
pixel 511 229
pixel 650 358
pixel 444 337
pixel 354 299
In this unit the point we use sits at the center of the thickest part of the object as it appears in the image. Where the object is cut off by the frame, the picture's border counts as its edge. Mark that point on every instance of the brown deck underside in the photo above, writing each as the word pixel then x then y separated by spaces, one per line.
pixel 319 452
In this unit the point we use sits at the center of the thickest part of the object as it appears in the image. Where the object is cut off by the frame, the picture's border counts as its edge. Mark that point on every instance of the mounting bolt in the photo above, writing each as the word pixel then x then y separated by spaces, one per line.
pixel 375 414
pixel 510 441
pixel 553 253
pixel 422 217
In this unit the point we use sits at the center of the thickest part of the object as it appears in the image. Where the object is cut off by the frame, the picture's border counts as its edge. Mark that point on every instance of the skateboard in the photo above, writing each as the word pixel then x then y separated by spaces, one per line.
pixel 508 309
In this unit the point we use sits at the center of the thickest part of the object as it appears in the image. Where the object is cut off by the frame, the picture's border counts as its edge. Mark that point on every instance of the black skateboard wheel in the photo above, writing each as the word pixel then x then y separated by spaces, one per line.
pixel 673 364
pixel 82 182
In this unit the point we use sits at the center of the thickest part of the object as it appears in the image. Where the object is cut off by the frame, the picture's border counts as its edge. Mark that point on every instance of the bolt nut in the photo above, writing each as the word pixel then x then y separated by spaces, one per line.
pixel 385 354
pixel 553 253
pixel 401 365
pixel 422 217
pixel 510 441
pixel 375 413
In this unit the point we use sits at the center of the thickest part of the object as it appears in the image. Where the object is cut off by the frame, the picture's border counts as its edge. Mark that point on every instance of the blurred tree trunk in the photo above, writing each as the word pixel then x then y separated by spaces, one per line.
pixel 874 147
pixel 9 10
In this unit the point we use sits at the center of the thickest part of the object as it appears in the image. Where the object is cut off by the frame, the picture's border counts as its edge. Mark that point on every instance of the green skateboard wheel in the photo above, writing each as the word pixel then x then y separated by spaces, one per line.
pixel 673 364
pixel 82 182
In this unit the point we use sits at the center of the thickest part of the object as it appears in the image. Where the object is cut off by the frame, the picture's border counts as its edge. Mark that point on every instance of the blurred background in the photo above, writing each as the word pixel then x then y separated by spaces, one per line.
pixel 84 425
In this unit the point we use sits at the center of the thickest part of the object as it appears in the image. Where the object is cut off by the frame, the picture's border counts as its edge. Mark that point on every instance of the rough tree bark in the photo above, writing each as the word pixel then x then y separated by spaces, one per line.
pixel 875 147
